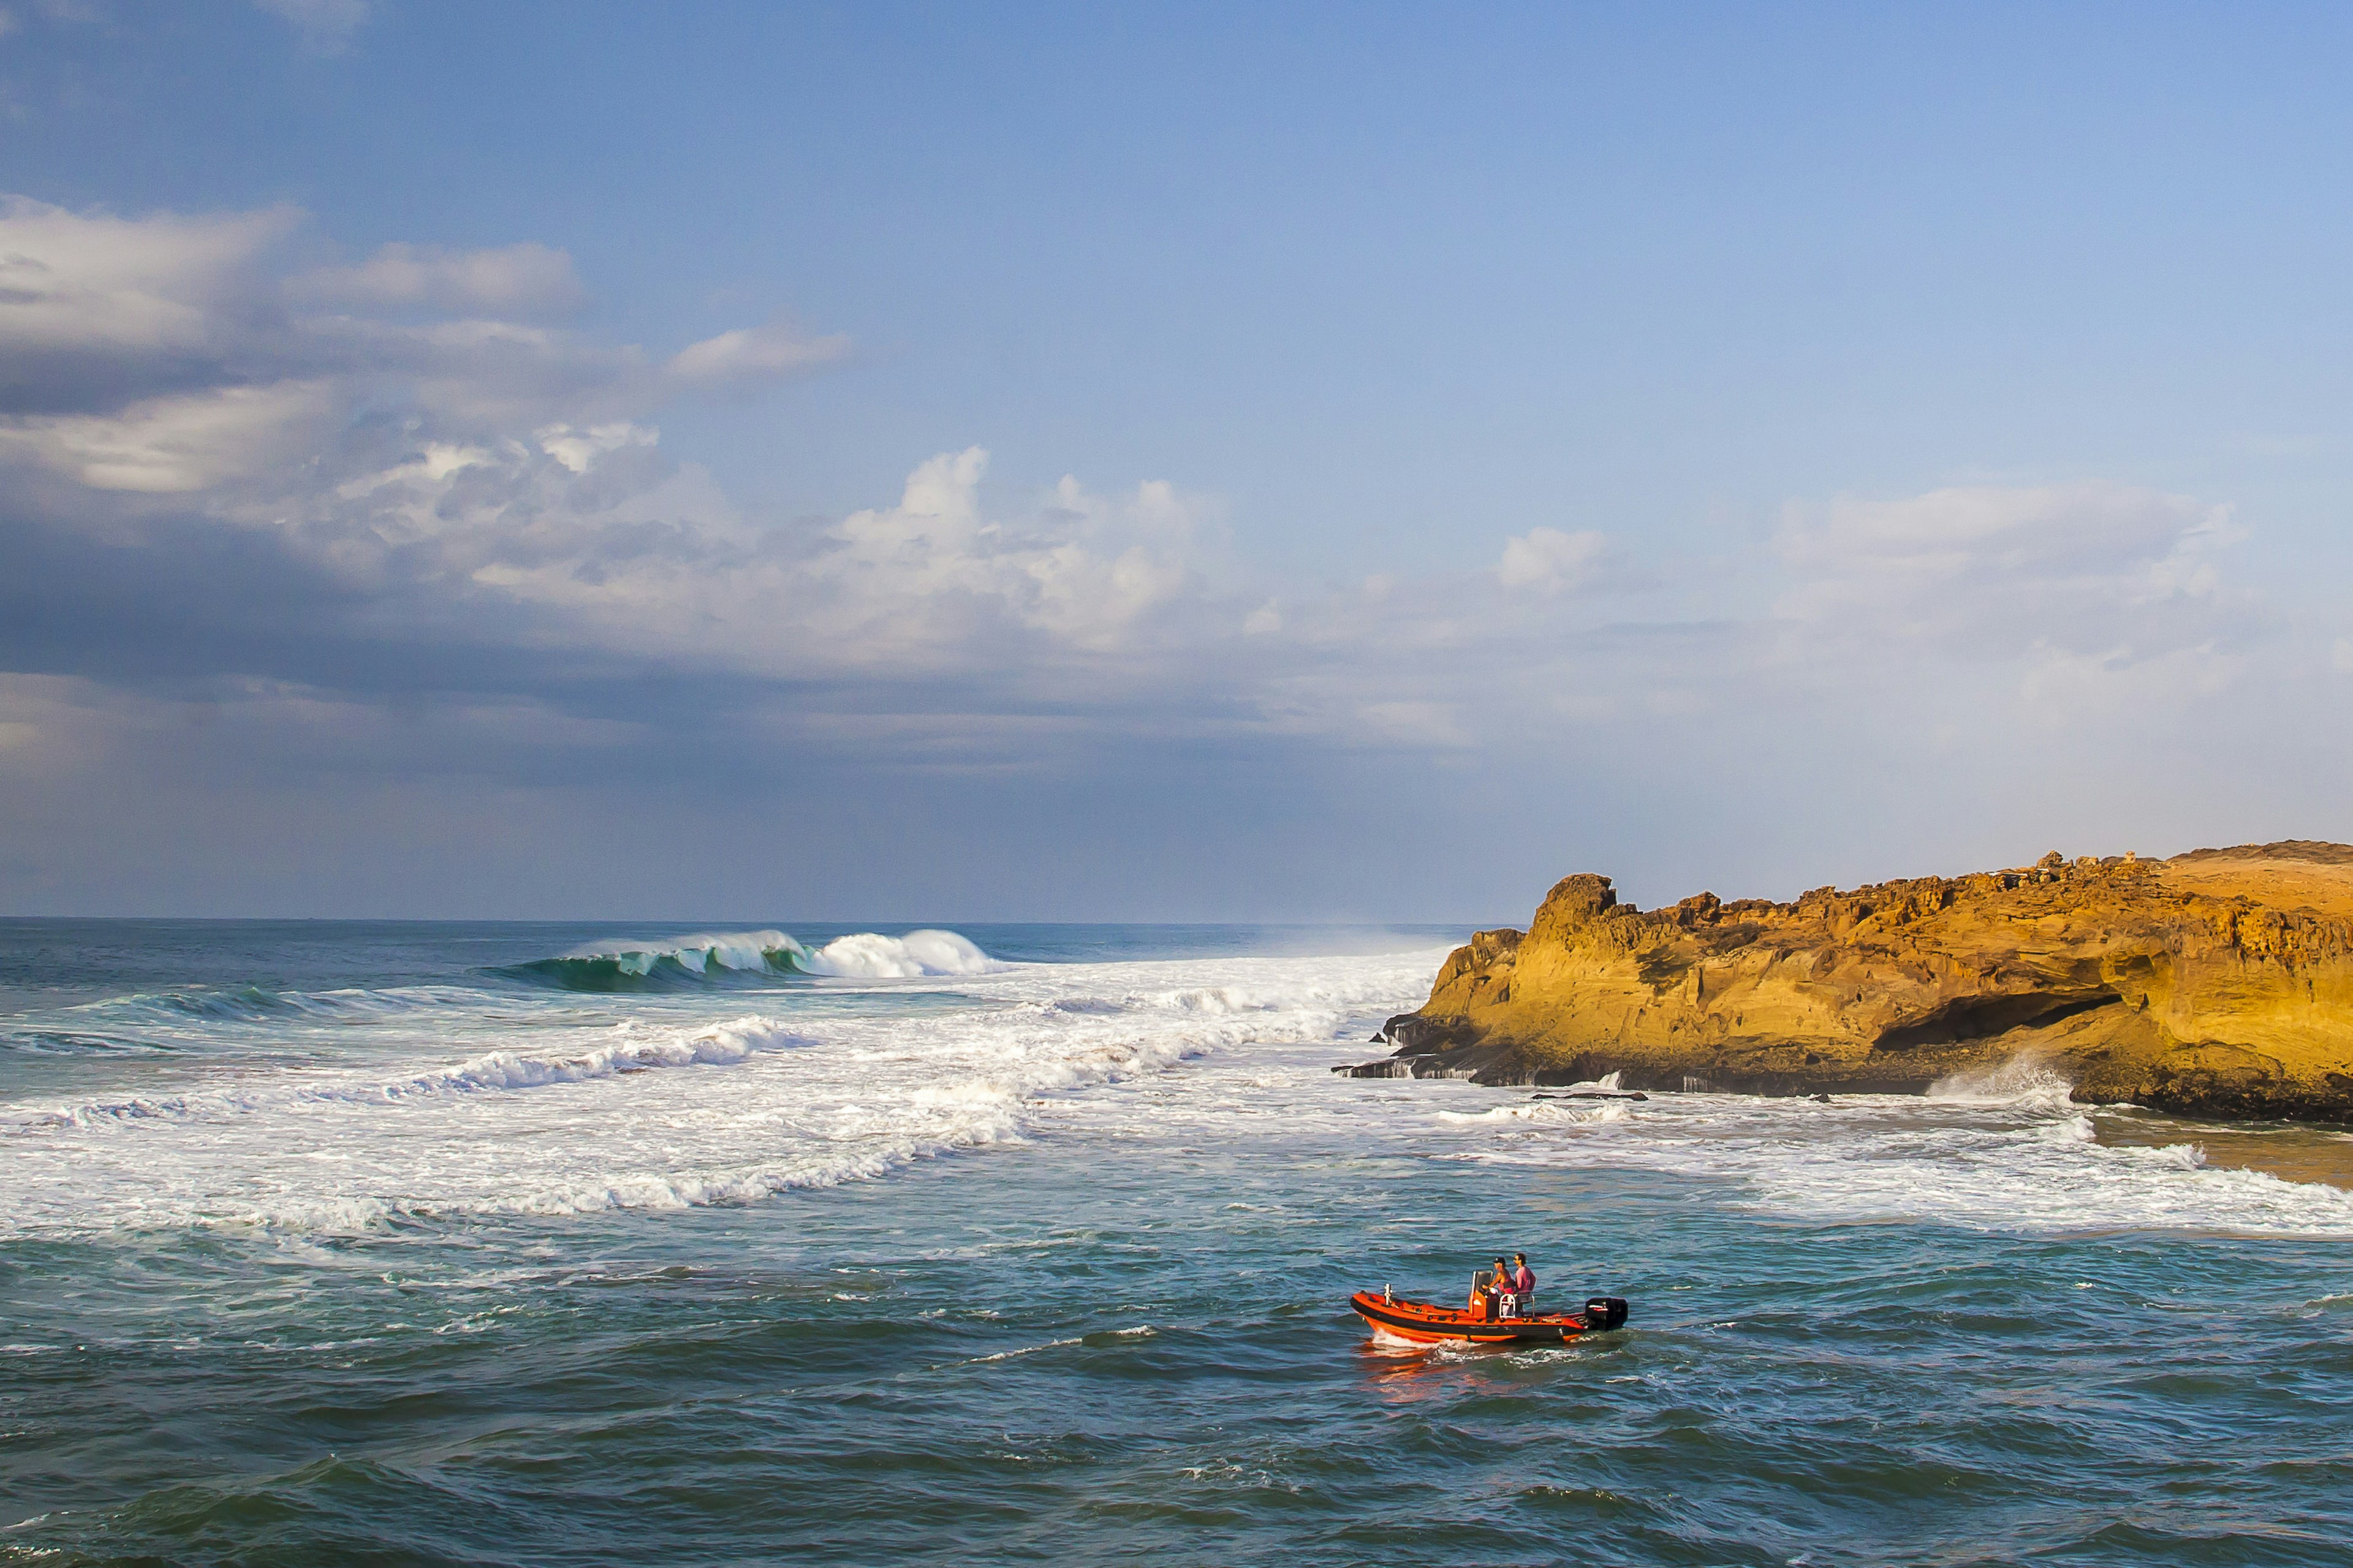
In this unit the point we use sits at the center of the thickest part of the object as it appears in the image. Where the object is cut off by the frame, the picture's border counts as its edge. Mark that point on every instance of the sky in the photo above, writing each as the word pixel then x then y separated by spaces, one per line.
pixel 1291 463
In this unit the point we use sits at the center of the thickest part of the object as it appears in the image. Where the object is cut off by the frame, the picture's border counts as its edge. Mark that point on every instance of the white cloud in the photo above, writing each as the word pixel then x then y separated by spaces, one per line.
pixel 469 479
pixel 1085 574
pixel 508 462
pixel 1988 572
pixel 1552 562
pixel 1964 538
pixel 2059 686
pixel 576 449
pixel 751 355
pixel 516 279
pixel 665 567
pixel 93 306
pixel 179 444
pixel 124 322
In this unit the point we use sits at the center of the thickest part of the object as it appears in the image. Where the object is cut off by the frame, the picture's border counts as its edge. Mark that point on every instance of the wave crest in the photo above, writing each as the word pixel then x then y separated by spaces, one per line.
pixel 2024 1081
pixel 755 957
pixel 916 955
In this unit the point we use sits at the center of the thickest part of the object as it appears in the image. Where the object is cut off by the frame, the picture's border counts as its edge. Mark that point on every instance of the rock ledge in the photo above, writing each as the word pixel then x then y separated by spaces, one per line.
pixel 2218 984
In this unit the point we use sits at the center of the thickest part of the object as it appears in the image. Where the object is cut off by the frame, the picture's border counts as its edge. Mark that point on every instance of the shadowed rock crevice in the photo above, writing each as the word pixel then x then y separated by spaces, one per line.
pixel 1968 1018
pixel 2218 984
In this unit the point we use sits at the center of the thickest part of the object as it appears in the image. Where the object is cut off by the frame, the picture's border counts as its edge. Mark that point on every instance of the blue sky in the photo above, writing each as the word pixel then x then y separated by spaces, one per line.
pixel 530 459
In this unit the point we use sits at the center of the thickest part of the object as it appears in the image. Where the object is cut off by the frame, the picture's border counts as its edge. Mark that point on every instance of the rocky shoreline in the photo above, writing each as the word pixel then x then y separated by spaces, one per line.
pixel 2216 984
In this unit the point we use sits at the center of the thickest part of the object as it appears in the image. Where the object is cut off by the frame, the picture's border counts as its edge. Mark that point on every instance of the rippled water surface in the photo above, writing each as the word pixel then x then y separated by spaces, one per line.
pixel 409 1245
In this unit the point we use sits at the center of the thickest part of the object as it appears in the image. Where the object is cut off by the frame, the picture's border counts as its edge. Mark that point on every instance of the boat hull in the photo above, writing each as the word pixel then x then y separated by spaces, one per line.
pixel 1423 1322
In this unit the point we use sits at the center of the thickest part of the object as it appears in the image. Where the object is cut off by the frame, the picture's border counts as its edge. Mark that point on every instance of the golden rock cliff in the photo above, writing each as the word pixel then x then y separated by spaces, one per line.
pixel 2216 983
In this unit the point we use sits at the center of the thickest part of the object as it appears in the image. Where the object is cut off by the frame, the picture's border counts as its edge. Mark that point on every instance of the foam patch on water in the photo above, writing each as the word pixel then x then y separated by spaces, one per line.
pixel 635 1052
pixel 546 1107
pixel 2006 1154
pixel 546 1116
pixel 1544 1112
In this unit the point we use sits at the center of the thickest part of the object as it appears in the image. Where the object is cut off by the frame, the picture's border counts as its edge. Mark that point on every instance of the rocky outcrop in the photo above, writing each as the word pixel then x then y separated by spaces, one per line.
pixel 2217 983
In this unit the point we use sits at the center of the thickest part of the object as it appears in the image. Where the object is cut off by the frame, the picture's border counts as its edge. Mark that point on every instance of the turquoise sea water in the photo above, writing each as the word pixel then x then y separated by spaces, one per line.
pixel 391 1245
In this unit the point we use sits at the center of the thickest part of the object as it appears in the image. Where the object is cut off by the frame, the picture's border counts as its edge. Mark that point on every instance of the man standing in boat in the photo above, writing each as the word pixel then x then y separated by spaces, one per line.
pixel 1510 1291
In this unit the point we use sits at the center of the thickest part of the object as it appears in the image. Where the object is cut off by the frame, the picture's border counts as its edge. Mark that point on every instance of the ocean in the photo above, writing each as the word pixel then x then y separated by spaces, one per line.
pixel 422 1243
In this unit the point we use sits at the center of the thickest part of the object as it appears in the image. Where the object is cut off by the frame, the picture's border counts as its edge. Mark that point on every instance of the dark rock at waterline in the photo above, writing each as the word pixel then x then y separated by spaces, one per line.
pixel 1506 1066
pixel 1415 1036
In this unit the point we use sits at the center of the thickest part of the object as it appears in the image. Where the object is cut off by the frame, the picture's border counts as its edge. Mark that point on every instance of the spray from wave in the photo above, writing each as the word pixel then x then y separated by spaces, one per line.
pixel 755 958
pixel 2025 1082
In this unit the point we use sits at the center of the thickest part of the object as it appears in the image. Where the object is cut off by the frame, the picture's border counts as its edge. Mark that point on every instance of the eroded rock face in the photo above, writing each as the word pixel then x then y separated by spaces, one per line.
pixel 2217 983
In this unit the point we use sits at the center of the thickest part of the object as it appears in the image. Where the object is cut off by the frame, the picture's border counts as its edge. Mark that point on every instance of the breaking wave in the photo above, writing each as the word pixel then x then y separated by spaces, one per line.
pixel 2024 1082
pixel 754 958
pixel 541 1115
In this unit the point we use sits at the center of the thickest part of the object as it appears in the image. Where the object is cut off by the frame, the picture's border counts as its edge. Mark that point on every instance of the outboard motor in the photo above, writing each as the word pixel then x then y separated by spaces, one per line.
pixel 1603 1313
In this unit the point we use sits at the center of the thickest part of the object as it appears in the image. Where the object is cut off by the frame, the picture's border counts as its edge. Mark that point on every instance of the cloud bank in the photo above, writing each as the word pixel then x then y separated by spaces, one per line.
pixel 358 541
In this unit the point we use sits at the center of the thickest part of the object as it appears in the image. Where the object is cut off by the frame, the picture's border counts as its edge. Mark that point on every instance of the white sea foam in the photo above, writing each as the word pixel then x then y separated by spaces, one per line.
pixel 634 1050
pixel 2026 1160
pixel 911 957
pixel 504 1108
pixel 1549 1112
pixel 718 1044
pixel 667 1109
pixel 2023 1080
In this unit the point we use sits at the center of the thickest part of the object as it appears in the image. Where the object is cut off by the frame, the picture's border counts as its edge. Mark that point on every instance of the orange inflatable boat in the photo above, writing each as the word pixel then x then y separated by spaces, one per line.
pixel 1425 1323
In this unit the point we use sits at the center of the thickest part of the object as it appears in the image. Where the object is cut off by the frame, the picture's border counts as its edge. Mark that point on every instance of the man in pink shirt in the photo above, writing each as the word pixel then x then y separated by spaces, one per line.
pixel 1524 1281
